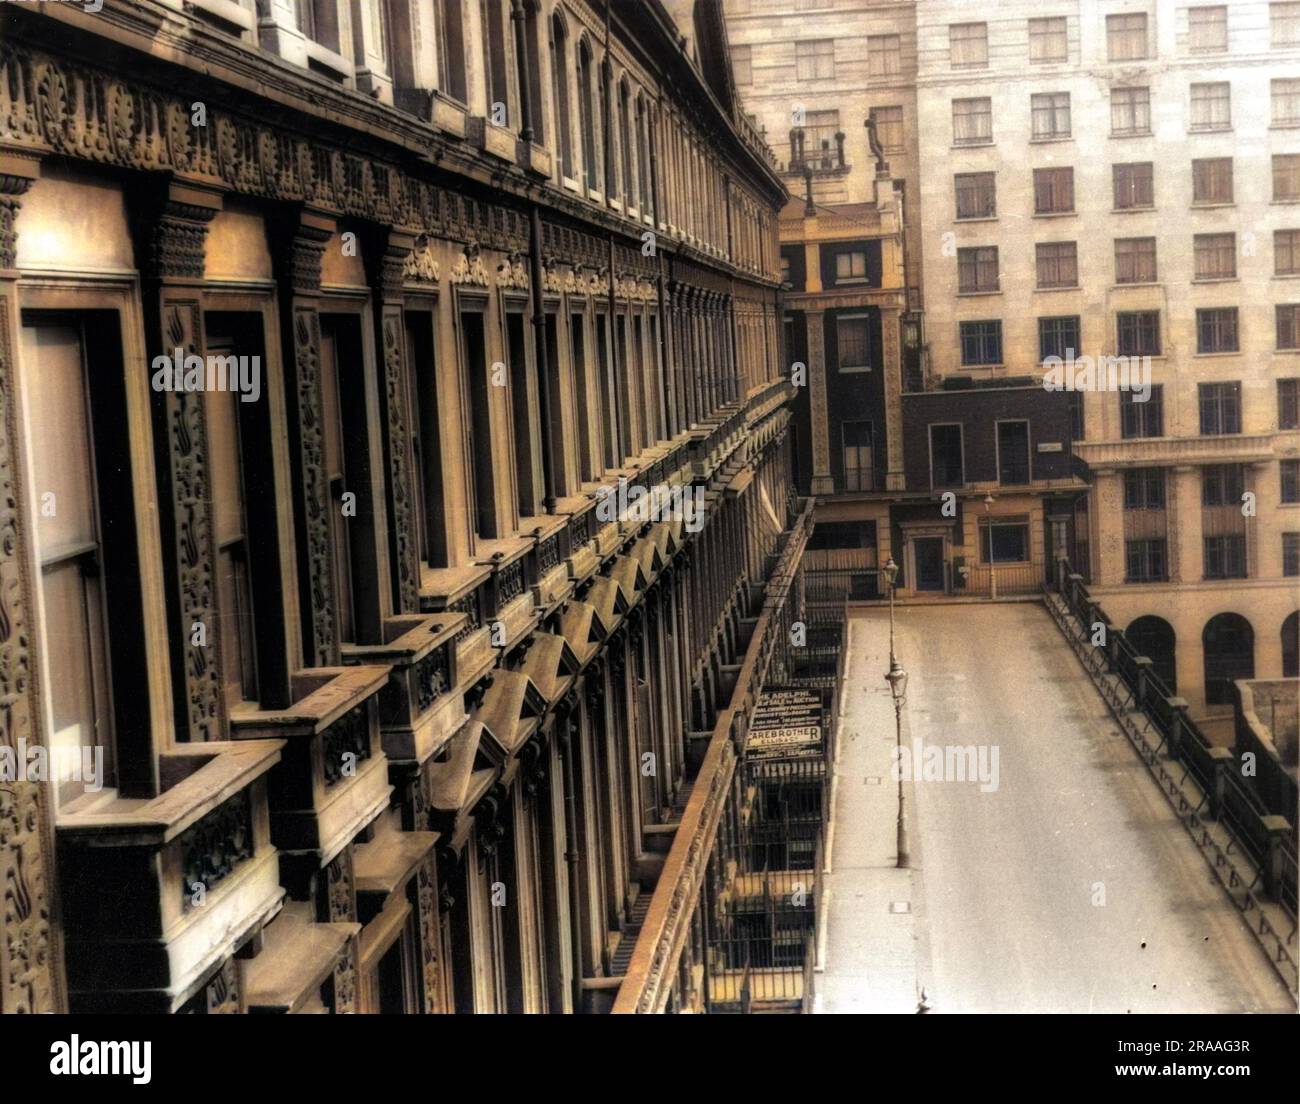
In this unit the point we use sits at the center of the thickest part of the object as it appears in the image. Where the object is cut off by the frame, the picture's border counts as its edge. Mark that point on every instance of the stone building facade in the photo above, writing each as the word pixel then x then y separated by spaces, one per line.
pixel 1120 178
pixel 339 342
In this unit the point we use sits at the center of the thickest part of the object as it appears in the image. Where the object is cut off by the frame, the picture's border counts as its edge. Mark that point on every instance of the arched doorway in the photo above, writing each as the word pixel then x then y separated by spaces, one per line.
pixel 1154 638
pixel 1229 645
pixel 1291 646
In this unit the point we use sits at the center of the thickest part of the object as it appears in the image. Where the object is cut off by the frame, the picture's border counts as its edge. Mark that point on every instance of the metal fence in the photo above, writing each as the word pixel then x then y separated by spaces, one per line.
pixel 1226 796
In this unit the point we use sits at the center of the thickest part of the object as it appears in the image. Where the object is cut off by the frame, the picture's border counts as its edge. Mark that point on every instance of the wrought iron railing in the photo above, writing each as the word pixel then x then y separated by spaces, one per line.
pixel 1220 794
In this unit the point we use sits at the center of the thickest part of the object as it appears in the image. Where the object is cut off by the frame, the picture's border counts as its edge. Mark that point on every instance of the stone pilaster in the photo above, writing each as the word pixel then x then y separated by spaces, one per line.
pixel 1185 545
pixel 1108 500
pixel 299 277
pixel 31 959
pixel 822 481
pixel 171 229
pixel 892 366
pixel 386 281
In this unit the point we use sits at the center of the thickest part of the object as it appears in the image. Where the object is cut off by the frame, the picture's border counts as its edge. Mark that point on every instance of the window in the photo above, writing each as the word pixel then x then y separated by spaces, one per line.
pixel 1211 106
pixel 853 342
pixel 1288 325
pixel 1058 337
pixel 626 143
pixel 815 60
pixel 1144 560
pixel 1004 542
pixel 1220 405
pixel 1135 260
pixel 1286 252
pixel 976 195
pixel 981 343
pixel 1144 489
pixel 1286 102
pixel 1130 111
pixel 889 126
pixel 859 474
pixel 1207 29
pixel 968 45
pixel 1134 186
pixel 819 130
pixel 1050 114
pixel 1057 264
pixel 1013 453
pixel 498 53
pixel 977 269
pixel 1138 333
pixel 1047 40
pixel 588 113
pixel 1228 643
pixel 1288 404
pixel 1076 415
pixel 884 56
pixel 449 36
pixel 1216 332
pixel 1212 180
pixel 1286 177
pixel 1289 471
pixel 1142 419
pixel 560 95
pixel 1291 554
pixel 946 468
pixel 1053 191
pixel 1222 485
pixel 742 64
pixel 1126 37
pixel 1225 557
pixel 1284 23
pixel 1216 256
pixel 972 121
pixel 850 267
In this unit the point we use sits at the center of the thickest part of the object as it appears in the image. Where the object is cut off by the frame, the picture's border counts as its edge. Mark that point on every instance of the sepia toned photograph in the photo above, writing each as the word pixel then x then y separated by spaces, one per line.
pixel 582 507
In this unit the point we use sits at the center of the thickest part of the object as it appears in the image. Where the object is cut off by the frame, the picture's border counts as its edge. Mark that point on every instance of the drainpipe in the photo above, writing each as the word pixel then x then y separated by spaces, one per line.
pixel 572 856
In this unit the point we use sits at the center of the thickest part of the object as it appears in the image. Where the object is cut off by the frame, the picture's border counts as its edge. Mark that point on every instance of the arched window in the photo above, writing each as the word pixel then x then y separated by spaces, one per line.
pixel 643 145
pixel 498 53
pixel 1229 645
pixel 560 94
pixel 1154 638
pixel 450 36
pixel 1291 646
pixel 586 114
pixel 627 182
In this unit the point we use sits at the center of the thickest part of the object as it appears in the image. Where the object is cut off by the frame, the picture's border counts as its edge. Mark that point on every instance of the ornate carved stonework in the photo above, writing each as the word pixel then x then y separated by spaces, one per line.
pixel 429 930
pixel 421 267
pixel 512 273
pixel 29 978
pixel 306 346
pixel 193 534
pixel 340 906
pixel 408 563
pixel 469 268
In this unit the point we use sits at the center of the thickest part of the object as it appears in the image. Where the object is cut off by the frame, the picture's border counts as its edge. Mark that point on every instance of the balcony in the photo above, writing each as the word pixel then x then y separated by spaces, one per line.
pixel 333 777
pixel 158 893
pixel 421 707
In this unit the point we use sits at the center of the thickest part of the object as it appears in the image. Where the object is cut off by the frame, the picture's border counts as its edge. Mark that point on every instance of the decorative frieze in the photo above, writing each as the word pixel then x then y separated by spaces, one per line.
pixel 213 847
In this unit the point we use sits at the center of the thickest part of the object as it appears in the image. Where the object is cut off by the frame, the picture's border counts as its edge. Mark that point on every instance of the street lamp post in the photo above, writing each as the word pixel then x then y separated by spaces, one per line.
pixel 897 679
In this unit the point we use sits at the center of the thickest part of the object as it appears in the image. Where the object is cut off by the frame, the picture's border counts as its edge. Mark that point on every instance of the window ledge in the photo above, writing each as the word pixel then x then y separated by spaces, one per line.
pixel 978 294
pixel 1051 139
pixel 1213 205
pixel 1216 279
pixel 1063 287
pixel 1209 129
pixel 1054 214
pixel 1214 356
pixel 983 143
pixel 1137 284
pixel 1286 276
pixel 1130 134
pixel 1132 210
pixel 977 218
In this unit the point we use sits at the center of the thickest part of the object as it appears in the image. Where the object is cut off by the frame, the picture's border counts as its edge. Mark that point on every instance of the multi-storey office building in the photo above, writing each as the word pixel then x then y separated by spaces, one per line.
pixel 324 327
pixel 948 485
pixel 1120 179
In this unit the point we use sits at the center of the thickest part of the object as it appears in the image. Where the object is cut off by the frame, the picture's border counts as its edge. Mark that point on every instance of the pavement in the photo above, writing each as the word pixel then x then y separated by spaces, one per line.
pixel 1068 887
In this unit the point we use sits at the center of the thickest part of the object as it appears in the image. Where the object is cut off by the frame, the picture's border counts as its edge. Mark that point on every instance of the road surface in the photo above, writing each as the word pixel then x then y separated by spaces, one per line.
pixel 1071 887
